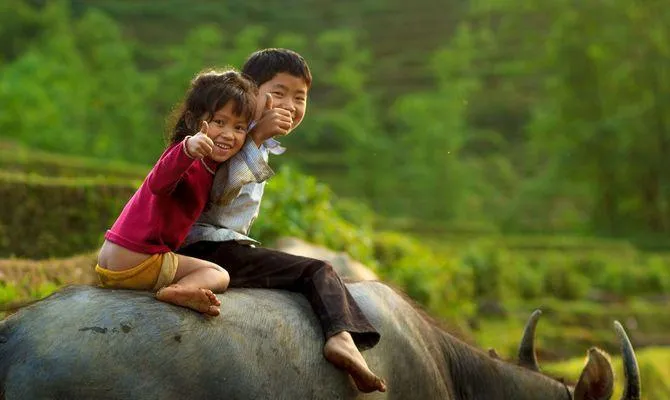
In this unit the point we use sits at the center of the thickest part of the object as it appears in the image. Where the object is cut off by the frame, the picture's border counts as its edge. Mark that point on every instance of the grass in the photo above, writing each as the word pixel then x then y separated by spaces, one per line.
pixel 24 280
pixel 654 365
pixel 21 160
pixel 654 362
pixel 569 329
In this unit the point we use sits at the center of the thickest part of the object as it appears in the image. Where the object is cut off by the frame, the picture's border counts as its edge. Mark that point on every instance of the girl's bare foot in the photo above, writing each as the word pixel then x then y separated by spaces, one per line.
pixel 341 351
pixel 198 299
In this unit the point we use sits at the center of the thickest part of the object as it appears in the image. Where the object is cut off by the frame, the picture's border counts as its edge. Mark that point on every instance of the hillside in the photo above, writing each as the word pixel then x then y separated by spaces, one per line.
pixel 399 35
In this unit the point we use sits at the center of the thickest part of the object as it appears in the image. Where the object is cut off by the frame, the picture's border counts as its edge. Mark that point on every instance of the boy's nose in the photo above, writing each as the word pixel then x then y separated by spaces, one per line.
pixel 288 105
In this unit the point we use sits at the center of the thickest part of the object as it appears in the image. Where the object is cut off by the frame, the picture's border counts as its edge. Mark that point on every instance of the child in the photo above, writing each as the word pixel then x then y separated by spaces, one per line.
pixel 220 235
pixel 138 250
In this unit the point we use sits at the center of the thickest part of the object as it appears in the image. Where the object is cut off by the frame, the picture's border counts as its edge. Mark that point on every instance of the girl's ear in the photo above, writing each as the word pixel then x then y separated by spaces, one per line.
pixel 189 120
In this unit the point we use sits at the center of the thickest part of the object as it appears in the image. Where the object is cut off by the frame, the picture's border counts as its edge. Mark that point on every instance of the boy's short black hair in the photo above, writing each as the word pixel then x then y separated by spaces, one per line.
pixel 263 65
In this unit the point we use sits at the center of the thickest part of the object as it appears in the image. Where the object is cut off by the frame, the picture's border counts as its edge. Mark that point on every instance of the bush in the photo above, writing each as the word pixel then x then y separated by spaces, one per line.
pixel 492 267
pixel 435 280
pixel 528 280
pixel 564 282
pixel 297 205
pixel 22 160
pixel 54 217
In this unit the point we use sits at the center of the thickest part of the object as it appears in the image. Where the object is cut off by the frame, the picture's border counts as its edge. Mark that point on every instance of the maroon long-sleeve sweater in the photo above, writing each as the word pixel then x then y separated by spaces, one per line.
pixel 158 216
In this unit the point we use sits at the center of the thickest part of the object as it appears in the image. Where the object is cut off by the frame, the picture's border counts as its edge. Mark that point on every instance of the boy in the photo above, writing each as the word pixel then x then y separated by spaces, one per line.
pixel 219 236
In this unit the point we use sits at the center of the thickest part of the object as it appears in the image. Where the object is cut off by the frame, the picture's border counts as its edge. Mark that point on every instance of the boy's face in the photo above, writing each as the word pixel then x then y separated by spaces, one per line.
pixel 288 92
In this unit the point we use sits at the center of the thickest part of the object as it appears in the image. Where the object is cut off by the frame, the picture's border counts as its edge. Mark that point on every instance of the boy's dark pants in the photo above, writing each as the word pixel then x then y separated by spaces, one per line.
pixel 257 267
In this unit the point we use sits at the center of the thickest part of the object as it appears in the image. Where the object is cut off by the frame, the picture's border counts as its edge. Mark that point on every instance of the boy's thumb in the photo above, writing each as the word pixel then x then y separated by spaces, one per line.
pixel 268 101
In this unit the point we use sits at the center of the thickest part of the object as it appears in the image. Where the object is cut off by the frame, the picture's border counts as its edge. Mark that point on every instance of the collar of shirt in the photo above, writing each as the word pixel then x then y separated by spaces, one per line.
pixel 273 145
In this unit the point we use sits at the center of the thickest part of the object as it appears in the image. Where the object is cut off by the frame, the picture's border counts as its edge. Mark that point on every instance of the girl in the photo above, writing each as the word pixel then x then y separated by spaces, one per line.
pixel 138 251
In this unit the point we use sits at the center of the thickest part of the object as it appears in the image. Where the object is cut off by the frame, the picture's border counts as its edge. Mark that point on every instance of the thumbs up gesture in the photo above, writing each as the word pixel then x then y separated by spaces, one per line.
pixel 200 145
pixel 269 102
pixel 271 122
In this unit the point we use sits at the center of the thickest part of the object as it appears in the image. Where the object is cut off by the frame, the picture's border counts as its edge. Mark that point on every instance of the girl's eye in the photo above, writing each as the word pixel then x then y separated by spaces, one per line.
pixel 278 94
pixel 241 128
pixel 219 122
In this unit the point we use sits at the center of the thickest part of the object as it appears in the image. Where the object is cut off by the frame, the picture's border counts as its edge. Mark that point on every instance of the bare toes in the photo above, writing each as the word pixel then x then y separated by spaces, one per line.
pixel 194 298
pixel 348 358
pixel 212 297
pixel 368 386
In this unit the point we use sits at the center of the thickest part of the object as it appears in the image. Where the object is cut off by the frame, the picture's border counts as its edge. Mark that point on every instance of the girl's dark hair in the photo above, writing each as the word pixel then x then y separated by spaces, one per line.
pixel 263 65
pixel 210 90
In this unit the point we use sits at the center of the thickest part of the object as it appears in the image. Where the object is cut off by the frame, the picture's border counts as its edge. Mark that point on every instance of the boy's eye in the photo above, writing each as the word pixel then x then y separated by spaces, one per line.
pixel 278 94
pixel 219 122
pixel 241 128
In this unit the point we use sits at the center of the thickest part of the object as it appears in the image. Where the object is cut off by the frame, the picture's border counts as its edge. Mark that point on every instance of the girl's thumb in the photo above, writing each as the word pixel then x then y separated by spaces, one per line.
pixel 204 127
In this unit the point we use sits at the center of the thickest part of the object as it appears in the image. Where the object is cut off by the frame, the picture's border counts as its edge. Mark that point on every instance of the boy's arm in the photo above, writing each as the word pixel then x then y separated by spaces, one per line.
pixel 169 169
pixel 249 165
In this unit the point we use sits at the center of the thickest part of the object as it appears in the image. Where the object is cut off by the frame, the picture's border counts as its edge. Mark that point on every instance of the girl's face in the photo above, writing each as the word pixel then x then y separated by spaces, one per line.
pixel 228 131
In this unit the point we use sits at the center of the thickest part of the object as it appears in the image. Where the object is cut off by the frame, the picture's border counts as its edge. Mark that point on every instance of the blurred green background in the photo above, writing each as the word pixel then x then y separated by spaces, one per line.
pixel 488 157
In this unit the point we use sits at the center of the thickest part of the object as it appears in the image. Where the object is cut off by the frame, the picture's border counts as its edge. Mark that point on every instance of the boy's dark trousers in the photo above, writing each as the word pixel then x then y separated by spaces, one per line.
pixel 257 267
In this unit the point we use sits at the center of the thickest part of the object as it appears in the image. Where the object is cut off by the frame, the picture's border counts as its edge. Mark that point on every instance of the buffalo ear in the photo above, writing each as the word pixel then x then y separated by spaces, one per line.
pixel 597 379
pixel 494 354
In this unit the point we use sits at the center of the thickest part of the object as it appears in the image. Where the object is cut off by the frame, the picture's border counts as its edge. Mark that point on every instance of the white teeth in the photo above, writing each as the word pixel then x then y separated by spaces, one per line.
pixel 223 146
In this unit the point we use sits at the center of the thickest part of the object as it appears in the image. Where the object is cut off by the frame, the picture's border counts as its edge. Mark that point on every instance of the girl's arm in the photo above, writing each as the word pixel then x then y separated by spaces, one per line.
pixel 169 169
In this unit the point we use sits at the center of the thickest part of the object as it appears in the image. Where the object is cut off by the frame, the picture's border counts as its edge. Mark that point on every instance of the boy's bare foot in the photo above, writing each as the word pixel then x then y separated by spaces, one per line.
pixel 341 351
pixel 203 300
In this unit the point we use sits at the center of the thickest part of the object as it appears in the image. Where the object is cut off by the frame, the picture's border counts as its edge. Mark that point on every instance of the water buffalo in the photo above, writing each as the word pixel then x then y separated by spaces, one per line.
pixel 90 343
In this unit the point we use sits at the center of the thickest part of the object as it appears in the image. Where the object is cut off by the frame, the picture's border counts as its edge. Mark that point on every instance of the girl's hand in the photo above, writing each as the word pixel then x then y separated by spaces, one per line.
pixel 200 145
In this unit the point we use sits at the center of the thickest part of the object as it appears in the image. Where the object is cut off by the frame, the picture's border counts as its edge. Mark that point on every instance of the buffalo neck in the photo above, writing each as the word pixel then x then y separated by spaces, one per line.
pixel 475 375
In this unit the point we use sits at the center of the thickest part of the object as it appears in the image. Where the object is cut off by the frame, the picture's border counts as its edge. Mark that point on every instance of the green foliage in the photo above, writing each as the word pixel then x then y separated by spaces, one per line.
pixel 654 376
pixel 76 90
pixel 19 25
pixel 595 136
pixel 563 281
pixel 22 160
pixel 43 290
pixel 433 174
pixel 568 328
pixel 524 125
pixel 8 292
pixel 488 267
pixel 48 217
pixel 435 280
pixel 297 205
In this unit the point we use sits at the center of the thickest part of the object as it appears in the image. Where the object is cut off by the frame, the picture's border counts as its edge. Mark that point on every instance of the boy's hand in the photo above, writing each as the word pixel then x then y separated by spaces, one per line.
pixel 200 145
pixel 272 122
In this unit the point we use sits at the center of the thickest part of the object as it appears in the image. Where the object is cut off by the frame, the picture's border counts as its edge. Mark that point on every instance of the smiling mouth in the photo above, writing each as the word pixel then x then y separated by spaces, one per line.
pixel 223 146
